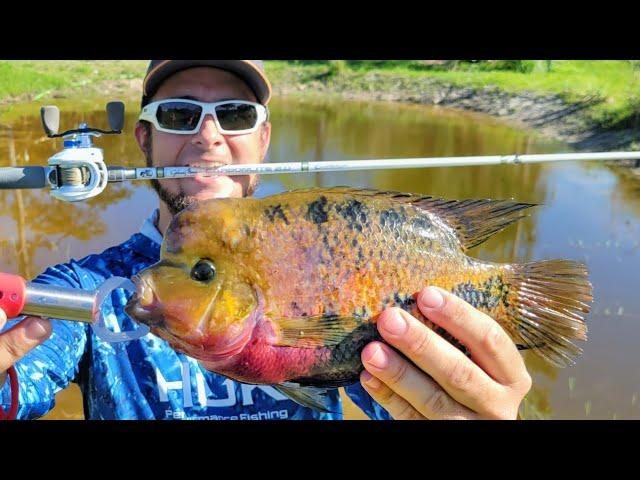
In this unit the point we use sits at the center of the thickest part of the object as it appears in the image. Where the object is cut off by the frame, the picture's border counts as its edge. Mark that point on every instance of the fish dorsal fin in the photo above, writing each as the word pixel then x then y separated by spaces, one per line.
pixel 473 220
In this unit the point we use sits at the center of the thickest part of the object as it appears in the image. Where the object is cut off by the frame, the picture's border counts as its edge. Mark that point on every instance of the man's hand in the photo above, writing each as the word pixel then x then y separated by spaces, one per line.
pixel 19 340
pixel 491 386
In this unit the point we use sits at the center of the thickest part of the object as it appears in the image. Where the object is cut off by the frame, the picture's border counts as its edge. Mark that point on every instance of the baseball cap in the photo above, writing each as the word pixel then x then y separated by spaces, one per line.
pixel 251 71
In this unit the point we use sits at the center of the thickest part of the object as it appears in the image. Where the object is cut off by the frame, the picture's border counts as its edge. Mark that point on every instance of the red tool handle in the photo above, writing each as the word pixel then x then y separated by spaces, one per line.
pixel 12 294
pixel 12 299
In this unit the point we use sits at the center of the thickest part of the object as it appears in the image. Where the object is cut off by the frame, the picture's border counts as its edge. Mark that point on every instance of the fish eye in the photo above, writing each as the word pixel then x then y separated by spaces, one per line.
pixel 203 271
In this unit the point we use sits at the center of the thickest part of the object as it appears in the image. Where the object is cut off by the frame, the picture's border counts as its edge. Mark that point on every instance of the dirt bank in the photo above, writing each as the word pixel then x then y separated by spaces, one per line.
pixel 548 114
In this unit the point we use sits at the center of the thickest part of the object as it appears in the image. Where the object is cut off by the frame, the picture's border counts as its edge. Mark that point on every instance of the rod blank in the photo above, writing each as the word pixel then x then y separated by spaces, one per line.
pixel 36 177
pixel 392 163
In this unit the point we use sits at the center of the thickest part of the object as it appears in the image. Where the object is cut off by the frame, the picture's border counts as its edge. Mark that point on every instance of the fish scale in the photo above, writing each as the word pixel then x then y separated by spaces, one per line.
pixel 338 262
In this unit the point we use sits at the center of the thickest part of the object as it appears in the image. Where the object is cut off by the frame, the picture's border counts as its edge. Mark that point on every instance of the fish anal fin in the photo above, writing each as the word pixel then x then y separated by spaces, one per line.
pixel 310 397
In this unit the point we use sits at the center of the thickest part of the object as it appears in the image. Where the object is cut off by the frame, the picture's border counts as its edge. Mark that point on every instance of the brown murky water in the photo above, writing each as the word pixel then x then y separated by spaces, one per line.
pixel 587 213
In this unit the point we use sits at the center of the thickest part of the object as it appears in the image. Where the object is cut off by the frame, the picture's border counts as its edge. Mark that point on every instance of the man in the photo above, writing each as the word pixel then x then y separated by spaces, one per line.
pixel 146 379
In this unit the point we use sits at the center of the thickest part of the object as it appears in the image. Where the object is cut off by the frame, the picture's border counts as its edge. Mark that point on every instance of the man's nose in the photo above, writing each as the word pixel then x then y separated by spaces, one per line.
pixel 208 133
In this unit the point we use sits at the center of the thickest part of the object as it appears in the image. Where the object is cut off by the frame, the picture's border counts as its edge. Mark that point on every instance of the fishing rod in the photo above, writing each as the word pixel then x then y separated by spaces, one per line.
pixel 78 172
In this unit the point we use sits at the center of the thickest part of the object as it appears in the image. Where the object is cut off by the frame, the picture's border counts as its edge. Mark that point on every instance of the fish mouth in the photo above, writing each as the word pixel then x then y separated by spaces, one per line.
pixel 144 306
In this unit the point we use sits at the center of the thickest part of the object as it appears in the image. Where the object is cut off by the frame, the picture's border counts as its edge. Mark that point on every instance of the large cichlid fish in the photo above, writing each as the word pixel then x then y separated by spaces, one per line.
pixel 285 290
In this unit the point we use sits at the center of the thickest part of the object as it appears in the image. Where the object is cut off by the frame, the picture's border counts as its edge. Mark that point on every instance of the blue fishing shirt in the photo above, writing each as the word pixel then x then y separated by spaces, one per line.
pixel 143 378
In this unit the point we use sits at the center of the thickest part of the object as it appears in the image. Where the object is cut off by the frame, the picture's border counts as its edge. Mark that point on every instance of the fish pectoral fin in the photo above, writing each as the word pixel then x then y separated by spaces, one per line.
pixel 317 331
pixel 310 397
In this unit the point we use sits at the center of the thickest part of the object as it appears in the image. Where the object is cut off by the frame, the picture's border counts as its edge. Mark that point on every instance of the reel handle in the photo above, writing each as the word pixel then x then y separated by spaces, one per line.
pixel 115 113
pixel 50 116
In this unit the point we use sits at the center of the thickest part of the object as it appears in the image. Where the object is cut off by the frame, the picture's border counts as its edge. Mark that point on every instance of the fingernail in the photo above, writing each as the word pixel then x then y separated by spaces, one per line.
pixel 35 329
pixel 370 380
pixel 377 358
pixel 395 324
pixel 431 298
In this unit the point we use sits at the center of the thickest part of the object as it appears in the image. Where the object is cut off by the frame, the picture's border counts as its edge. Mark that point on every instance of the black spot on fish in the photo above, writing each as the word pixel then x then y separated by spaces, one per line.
pixel 467 291
pixel 355 213
pixel 326 254
pixel 404 301
pixel 362 312
pixel 275 211
pixel 483 295
pixel 325 241
pixel 495 284
pixel 317 211
pixel 392 218
pixel 421 222
pixel 296 310
pixel 354 243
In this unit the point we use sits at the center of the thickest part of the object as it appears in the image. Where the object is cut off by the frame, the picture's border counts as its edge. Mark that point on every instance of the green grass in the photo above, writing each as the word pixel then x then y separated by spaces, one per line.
pixel 616 83
pixel 37 78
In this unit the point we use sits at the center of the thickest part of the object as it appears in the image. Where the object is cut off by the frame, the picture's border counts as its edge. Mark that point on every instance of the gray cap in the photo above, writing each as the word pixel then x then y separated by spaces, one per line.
pixel 251 71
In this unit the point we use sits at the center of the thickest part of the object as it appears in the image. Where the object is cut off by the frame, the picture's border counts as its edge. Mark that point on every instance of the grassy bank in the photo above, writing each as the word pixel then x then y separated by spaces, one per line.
pixel 612 87
pixel 610 90
pixel 36 79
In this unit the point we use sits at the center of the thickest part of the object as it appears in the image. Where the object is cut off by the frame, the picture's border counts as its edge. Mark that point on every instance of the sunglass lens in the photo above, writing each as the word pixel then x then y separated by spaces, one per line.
pixel 237 116
pixel 178 115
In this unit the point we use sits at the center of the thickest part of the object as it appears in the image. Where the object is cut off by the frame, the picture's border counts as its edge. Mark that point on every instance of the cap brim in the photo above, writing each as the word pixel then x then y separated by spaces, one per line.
pixel 245 69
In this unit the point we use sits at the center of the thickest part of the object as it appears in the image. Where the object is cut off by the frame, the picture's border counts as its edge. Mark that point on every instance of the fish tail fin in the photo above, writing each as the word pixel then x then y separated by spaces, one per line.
pixel 546 303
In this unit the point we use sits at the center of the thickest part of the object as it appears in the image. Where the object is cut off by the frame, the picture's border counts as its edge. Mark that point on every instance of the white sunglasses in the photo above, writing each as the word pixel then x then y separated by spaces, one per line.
pixel 185 117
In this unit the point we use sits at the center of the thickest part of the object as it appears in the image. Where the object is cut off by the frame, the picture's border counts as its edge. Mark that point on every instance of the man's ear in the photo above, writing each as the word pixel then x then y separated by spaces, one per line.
pixel 265 138
pixel 143 136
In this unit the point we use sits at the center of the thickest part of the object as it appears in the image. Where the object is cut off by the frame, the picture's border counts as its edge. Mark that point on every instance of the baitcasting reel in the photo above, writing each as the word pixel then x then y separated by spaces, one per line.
pixel 78 172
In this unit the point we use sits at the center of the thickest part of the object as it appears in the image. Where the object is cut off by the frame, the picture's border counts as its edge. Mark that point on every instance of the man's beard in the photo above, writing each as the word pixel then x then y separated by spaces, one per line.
pixel 176 202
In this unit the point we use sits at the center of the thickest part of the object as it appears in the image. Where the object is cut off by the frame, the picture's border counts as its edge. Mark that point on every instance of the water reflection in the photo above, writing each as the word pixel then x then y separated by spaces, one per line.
pixel 39 230
pixel 34 223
